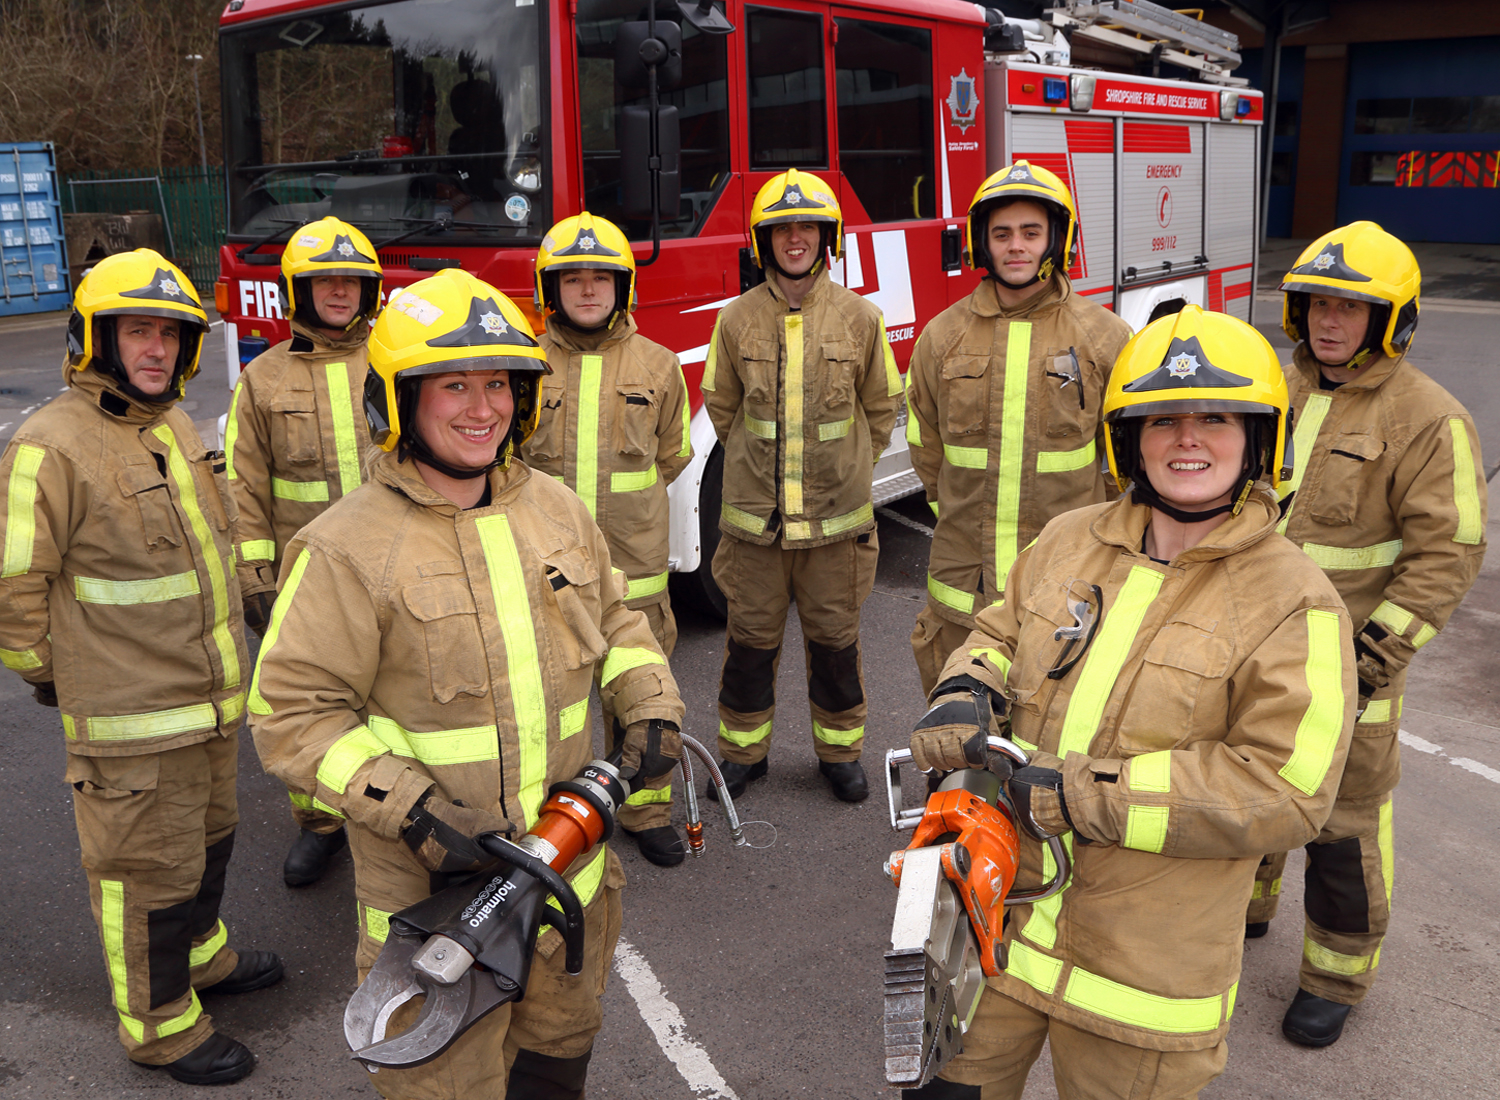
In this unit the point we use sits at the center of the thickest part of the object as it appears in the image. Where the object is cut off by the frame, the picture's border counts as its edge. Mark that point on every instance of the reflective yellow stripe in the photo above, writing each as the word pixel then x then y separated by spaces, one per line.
pixel 632 481
pixel 232 432
pixel 711 361
pixel 687 419
pixel 523 662
pixel 798 529
pixel 573 718
pixel 948 596
pixel 206 950
pixel 837 737
pixel 1137 1008
pixel 344 439
pixel 1260 890
pixel 258 550
pixel 865 513
pixel 1039 971
pixel 892 372
pixel 377 923
pixel 737 517
pixel 1334 962
pixel 648 797
pixel 1354 557
pixel 913 428
pixel 1465 487
pixel 154 723
pixel 621 659
pixel 1303 439
pixel 146 590
pixel 936 508
pixel 1061 462
pixel 308 492
pixel 20 660
pixel 258 704
pixel 1101 668
pixel 586 435
pixel 968 458
pixel 1151 772
pixel 762 429
pixel 20 512
pixel 1041 926
pixel 232 708
pixel 995 657
pixel 640 587
pixel 1389 615
pixel 112 932
pixel 183 1022
pixel 1146 828
pixel 1386 841
pixel 745 738
pixel 1377 712
pixel 347 755
pixel 1323 721
pixel 1423 636
pixel 218 570
pixel 835 429
pixel 586 882
pixel 471 745
pixel 1012 449
pixel 301 801
pixel 796 415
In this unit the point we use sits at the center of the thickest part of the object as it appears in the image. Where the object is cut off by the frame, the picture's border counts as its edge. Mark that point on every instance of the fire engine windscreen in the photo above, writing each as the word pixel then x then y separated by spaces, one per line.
pixel 389 116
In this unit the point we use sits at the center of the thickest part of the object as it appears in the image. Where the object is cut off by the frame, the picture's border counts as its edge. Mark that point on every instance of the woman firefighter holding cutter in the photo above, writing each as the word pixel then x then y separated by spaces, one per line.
pixel 1183 677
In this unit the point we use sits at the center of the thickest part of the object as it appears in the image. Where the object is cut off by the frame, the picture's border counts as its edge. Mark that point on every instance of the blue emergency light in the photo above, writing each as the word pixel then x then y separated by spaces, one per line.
pixel 1242 108
pixel 1054 89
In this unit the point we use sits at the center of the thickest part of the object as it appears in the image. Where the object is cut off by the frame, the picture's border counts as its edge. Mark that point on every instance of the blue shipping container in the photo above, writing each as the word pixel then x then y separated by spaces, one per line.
pixel 33 251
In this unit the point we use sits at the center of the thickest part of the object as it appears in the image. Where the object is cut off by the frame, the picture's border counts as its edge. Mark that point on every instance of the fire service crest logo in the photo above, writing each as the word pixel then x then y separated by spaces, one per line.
pixel 963 100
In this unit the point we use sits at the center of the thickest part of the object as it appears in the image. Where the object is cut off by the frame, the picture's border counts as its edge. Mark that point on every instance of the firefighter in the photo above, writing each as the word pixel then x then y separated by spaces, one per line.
pixel 295 442
pixel 802 389
pixel 1184 680
pixel 119 605
pixel 1389 498
pixel 614 429
pixel 1004 394
pixel 429 661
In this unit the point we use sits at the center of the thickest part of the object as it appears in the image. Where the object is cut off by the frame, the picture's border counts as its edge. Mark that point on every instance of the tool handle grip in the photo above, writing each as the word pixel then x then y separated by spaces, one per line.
pixel 571 917
pixel 907 819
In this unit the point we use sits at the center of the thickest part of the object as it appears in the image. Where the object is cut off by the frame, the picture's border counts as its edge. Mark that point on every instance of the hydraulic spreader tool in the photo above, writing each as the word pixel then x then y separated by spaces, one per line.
pixel 955 880
pixel 467 949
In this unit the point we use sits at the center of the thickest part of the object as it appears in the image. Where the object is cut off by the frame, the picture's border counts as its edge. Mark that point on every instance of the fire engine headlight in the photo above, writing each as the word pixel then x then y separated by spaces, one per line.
pixel 1229 103
pixel 1081 92
pixel 527 175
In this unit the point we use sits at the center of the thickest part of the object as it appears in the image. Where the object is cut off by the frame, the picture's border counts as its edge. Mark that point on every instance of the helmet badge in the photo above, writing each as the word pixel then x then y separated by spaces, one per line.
pixel 586 242
pixel 169 286
pixel 963 100
pixel 1180 366
pixel 345 248
pixel 790 199
pixel 1324 261
pixel 493 324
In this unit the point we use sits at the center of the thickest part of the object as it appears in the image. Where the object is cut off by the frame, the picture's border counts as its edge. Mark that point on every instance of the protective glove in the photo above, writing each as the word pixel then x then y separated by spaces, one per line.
pixel 1378 655
pixel 1036 791
pixel 652 748
pixel 258 611
pixel 952 734
pixel 440 834
pixel 45 693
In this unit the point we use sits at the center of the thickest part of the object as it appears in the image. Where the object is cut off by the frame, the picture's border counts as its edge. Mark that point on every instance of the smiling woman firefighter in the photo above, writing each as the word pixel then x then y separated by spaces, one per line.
pixel 1204 706
pixel 427 667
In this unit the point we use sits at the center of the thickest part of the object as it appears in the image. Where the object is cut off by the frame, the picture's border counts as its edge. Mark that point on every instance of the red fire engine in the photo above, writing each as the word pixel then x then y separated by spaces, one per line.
pixel 455 132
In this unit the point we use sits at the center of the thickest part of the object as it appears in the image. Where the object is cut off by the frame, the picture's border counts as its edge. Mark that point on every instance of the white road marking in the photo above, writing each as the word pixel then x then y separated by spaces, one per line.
pixel 1484 771
pixel 666 1023
pixel 904 521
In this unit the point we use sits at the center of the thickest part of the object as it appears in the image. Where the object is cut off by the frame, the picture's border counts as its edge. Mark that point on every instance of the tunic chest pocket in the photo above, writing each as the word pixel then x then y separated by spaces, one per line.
pixel 1038 650
pixel 760 365
pixel 546 443
pixel 1184 665
pixel 636 413
pixel 450 627
pixel 1348 475
pixel 1066 414
pixel 572 599
pixel 146 494
pixel 840 363
pixel 967 391
pixel 295 438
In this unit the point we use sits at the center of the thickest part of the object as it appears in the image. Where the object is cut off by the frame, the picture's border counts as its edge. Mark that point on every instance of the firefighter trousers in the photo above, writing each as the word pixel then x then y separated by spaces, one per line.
pixel 933 640
pixel 651 806
pixel 558 1017
pixel 1006 1038
pixel 1350 865
pixel 156 832
pixel 829 584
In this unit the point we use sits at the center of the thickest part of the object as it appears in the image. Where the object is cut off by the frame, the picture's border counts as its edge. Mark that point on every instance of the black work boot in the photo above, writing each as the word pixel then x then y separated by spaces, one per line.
pixel 255 970
pixel 661 846
pixel 1256 929
pixel 847 780
pixel 1314 1022
pixel 536 1076
pixel 736 777
pixel 218 1060
pixel 309 856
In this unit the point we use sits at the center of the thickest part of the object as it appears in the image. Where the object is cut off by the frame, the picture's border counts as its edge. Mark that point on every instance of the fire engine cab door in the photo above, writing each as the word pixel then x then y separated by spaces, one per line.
pixel 1162 187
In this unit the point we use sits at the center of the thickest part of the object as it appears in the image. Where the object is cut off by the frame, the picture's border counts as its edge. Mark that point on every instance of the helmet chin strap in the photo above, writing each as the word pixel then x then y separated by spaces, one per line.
pixel 1146 493
pixel 417 448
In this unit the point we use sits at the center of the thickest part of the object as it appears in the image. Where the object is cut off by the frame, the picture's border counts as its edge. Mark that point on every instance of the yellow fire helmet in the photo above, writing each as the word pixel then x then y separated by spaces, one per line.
pixel 793 197
pixel 449 322
pixel 585 243
pixel 1199 362
pixel 1023 180
pixel 139 283
pixel 329 247
pixel 1359 260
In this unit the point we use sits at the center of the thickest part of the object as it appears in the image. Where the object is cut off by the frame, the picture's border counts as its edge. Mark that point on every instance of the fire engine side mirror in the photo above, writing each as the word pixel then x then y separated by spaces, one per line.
pixel 636 50
pixel 635 161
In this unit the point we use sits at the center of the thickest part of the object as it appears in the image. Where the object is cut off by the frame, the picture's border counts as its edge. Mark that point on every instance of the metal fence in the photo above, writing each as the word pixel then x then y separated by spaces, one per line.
pixel 190 201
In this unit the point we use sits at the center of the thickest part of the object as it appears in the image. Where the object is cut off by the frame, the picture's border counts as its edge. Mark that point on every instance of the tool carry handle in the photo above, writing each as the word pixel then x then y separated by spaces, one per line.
pixel 570 921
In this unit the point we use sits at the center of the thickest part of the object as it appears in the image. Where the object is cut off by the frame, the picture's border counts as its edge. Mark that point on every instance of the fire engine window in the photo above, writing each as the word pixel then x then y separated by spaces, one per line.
pixel 788 126
pixel 885 117
pixel 701 99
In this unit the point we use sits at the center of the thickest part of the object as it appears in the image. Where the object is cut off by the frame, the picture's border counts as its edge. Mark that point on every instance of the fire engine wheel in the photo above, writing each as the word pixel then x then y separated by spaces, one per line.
pixel 699 587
